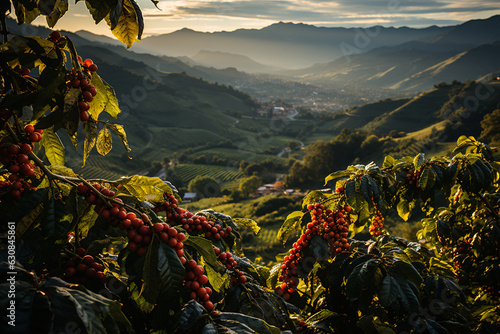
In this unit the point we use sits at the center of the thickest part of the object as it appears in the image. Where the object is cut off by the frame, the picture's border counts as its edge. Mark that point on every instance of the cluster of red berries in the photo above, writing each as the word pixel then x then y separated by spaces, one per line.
pixel 336 227
pixel 83 268
pixel 412 176
pixel 230 263
pixel 333 225
pixel 80 79
pixel 190 222
pixel 194 281
pixel 138 233
pixel 15 159
pixel 377 224
pixel 172 237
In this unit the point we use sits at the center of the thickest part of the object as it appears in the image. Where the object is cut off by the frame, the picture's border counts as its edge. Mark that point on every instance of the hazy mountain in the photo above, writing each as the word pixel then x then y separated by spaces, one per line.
pixel 472 64
pixel 221 60
pixel 377 68
pixel 97 38
pixel 417 65
pixel 471 33
pixel 286 44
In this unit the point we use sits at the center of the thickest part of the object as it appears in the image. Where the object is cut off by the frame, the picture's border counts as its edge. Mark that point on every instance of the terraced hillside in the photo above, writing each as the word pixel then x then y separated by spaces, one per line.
pixel 187 172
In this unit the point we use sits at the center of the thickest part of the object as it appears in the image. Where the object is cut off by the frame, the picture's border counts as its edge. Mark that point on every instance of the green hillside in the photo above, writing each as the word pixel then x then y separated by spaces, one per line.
pixel 416 114
pixel 473 63
pixel 357 117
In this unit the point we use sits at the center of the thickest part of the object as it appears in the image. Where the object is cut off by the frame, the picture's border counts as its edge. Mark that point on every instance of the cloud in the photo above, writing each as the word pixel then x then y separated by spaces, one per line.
pixel 348 12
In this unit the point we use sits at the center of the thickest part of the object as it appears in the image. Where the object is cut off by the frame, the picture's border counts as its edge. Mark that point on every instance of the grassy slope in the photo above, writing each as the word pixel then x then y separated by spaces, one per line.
pixel 416 114
pixel 357 117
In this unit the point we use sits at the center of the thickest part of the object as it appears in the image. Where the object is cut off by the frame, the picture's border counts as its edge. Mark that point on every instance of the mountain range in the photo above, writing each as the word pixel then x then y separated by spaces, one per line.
pixel 374 57
pixel 290 45
pixel 418 64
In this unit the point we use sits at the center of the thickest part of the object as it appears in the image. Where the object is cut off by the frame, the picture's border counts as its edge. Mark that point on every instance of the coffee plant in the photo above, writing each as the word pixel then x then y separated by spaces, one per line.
pixel 123 256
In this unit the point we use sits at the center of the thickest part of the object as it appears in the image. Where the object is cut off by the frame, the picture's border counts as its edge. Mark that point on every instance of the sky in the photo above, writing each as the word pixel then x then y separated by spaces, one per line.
pixel 234 14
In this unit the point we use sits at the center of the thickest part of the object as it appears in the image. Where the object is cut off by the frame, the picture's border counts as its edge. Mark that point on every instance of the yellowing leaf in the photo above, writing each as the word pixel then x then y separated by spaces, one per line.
pixel 128 28
pixel 105 100
pixel 104 141
pixel 54 149
pixel 121 133
pixel 60 8
pixel 144 188
pixel 90 129
pixel 250 223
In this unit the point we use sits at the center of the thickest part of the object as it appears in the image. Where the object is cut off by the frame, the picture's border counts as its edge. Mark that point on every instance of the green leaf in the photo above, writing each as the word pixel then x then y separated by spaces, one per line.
pixel 71 114
pixel 465 141
pixel 140 19
pixel 256 324
pixel 366 188
pixel 427 178
pixel 87 218
pixel 320 316
pixel 388 162
pixel 128 27
pixel 121 133
pixel 219 281
pixel 439 266
pixel 337 175
pixel 189 315
pixel 62 170
pixel 60 8
pixel 407 271
pixel 90 128
pixel 150 275
pixel 313 197
pixel 104 141
pixel 99 9
pixel 144 188
pixel 250 223
pixel 362 279
pixel 141 302
pixel 204 247
pixel 291 224
pixel 272 280
pixel 171 273
pixel 404 209
pixel 54 149
pixel 105 100
pixel 93 310
pixel 418 161
pixel 350 192
pixel 48 86
pixel 389 292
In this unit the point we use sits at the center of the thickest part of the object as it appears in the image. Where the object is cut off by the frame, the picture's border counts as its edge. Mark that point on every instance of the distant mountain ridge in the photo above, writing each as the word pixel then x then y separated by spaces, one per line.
pixel 417 65
pixel 282 44
pixel 221 60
